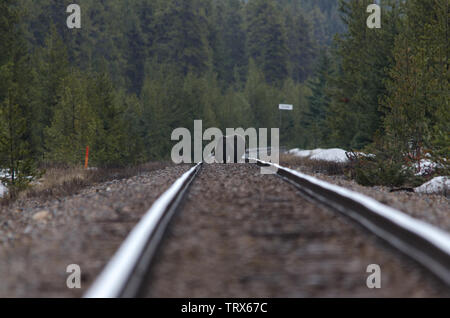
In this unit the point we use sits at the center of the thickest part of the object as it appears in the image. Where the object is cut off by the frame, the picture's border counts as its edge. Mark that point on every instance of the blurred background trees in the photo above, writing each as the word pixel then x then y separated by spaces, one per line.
pixel 137 69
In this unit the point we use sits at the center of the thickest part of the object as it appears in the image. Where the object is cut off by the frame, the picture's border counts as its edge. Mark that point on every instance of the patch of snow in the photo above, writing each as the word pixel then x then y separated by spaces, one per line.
pixel 4 174
pixel 331 155
pixel 438 185
pixel 426 166
pixel 3 190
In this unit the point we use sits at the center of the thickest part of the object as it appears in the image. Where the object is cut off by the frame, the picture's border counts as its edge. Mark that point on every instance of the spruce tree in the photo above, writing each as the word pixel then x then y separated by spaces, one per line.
pixel 228 41
pixel 365 56
pixel 15 151
pixel 314 118
pixel 301 46
pixel 266 39
pixel 51 67
pixel 416 105
pixel 110 135
pixel 181 37
pixel 73 124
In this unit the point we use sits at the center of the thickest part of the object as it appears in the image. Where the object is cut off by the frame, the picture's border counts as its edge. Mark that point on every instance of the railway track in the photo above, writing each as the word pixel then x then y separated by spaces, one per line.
pixel 126 272
pixel 123 275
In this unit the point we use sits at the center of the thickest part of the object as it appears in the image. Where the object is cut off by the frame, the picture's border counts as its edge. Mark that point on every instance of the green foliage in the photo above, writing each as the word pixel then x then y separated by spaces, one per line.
pixel 15 157
pixel 181 36
pixel 378 173
pixel 139 69
pixel 391 83
pixel 301 44
pixel 365 56
pixel 314 117
pixel 110 134
pixel 228 40
pixel 162 109
pixel 385 166
pixel 73 125
pixel 262 97
pixel 15 152
pixel 267 40
pixel 416 105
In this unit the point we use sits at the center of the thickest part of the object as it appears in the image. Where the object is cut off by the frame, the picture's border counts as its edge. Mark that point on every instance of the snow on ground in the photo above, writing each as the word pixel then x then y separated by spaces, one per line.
pixel 332 155
pixel 426 166
pixel 5 174
pixel 438 185
pixel 3 190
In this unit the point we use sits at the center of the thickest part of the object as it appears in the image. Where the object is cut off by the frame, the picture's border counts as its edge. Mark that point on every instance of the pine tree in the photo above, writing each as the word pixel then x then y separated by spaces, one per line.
pixel 301 45
pixel 228 41
pixel 73 124
pixel 365 56
pixel 135 59
pixel 110 135
pixel 266 39
pixel 163 108
pixel 133 128
pixel 51 67
pixel 314 119
pixel 15 150
pixel 15 155
pixel 417 102
pixel 181 37
pixel 262 97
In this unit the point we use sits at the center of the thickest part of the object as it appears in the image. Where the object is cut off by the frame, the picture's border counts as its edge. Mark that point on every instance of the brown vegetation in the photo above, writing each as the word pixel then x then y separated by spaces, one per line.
pixel 60 181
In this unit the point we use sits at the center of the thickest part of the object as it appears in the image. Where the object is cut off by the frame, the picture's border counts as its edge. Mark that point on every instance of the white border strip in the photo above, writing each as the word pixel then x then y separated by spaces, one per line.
pixel 113 278
pixel 436 236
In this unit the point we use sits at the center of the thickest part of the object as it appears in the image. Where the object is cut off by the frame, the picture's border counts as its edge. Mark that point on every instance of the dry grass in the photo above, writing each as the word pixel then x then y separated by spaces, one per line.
pixel 64 181
pixel 314 166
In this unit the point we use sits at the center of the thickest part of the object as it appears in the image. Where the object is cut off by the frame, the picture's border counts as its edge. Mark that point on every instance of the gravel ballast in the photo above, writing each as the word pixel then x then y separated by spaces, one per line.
pixel 239 234
pixel 243 234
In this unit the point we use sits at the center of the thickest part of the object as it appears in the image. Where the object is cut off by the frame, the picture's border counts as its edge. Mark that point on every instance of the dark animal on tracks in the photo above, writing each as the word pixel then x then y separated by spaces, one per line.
pixel 230 149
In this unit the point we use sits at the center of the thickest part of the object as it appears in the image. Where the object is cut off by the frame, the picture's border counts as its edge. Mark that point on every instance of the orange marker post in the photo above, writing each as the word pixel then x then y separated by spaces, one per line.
pixel 86 161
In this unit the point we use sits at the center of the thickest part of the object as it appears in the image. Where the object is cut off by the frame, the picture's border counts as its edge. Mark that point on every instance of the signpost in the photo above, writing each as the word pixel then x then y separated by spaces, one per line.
pixel 282 107
pixel 286 107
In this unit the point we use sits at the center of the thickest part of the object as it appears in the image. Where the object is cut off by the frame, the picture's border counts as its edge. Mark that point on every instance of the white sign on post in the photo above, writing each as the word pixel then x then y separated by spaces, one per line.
pixel 286 107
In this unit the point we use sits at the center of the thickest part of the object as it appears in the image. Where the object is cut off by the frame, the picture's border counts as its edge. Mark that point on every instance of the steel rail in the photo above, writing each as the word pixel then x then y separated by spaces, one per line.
pixel 123 275
pixel 426 244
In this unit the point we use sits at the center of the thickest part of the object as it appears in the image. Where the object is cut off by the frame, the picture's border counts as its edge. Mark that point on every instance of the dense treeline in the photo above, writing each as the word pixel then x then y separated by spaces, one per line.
pixel 388 92
pixel 137 69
